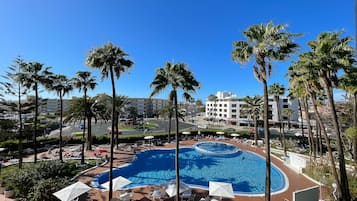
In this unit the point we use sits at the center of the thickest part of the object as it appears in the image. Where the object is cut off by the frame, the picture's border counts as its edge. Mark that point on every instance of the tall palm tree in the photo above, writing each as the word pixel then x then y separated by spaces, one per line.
pixel 85 81
pixel 33 74
pixel 61 85
pixel 301 71
pixel 298 91
pixel 12 86
pixel 254 108
pixel 176 76
pixel 330 54
pixel 264 43
pixel 112 61
pixel 348 82
pixel 277 90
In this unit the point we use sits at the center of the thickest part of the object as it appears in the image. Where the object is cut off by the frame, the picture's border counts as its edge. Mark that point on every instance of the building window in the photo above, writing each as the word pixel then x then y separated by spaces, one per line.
pixel 220 105
pixel 234 111
pixel 285 106
pixel 234 105
pixel 225 110
pixel 234 116
pixel 225 115
pixel 285 100
pixel 225 105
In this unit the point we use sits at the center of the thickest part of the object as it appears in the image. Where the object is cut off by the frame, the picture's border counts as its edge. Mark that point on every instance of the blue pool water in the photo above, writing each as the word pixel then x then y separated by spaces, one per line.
pixel 245 170
pixel 216 148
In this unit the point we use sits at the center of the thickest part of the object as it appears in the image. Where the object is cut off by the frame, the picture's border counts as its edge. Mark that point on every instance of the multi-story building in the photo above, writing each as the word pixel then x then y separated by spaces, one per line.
pixel 147 106
pixel 52 105
pixel 228 107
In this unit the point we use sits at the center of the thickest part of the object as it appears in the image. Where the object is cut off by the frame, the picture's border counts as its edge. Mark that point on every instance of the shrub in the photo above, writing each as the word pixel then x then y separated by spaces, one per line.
pixel 24 181
pixel 45 188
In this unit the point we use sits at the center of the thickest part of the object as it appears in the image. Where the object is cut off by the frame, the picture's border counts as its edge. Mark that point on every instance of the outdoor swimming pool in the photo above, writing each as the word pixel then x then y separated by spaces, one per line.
pixel 245 170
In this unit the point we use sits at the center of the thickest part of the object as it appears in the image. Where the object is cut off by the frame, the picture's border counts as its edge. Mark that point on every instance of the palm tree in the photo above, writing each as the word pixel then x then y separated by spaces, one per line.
pixel 301 71
pixel 264 43
pixel 329 54
pixel 61 85
pixel 348 82
pixel 83 82
pixel 12 85
pixel 297 90
pixel 278 90
pixel 33 75
pixel 254 108
pixel 177 76
pixel 112 61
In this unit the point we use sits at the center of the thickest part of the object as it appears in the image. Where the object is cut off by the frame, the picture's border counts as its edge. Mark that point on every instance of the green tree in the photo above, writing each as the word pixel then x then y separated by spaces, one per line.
pixel 61 85
pixel 330 54
pixel 301 71
pixel 112 61
pixel 177 77
pixel 253 108
pixel 83 82
pixel 13 86
pixel 265 44
pixel 348 82
pixel 32 75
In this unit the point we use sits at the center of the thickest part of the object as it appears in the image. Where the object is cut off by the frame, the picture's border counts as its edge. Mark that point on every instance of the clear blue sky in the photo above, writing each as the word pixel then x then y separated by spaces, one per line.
pixel 197 32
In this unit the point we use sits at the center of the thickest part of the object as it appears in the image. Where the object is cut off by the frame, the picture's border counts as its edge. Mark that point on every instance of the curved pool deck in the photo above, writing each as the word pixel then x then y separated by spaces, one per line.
pixel 140 192
pixel 199 164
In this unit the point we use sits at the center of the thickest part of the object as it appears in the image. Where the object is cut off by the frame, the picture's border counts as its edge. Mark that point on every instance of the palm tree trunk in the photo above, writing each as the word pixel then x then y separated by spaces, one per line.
pixel 354 145
pixel 84 125
pixel 177 166
pixel 117 130
pixel 256 131
pixel 327 140
pixel 267 143
pixel 277 100
pixel 345 193
pixel 310 137
pixel 20 126
pixel 36 119
pixel 112 136
pixel 89 133
pixel 170 117
pixel 300 113
pixel 61 121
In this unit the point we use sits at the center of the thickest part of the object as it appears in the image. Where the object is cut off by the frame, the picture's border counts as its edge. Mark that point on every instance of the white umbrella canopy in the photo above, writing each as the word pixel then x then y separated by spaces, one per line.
pixel 186 133
pixel 221 189
pixel 149 137
pixel 220 133
pixel 170 188
pixel 71 192
pixel 235 135
pixel 118 183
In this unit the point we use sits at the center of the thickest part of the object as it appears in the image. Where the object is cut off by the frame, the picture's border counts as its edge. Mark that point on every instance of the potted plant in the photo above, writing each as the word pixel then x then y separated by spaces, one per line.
pixel 9 192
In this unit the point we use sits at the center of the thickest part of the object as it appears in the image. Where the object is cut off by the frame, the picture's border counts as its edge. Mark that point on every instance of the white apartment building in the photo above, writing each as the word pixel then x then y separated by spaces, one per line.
pixel 227 108
pixel 147 106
